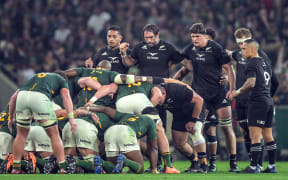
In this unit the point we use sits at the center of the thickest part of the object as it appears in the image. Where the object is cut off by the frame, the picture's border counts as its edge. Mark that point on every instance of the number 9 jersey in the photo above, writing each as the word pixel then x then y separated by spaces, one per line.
pixel 260 69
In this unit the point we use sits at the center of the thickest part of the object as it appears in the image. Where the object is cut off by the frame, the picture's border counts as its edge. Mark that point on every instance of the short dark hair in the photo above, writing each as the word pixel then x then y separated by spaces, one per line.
pixel 211 32
pixel 115 28
pixel 151 28
pixel 252 42
pixel 197 28
pixel 240 32
pixel 150 110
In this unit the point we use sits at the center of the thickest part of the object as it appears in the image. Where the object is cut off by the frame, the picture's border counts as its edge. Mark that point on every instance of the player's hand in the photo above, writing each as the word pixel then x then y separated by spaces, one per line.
pixel 123 47
pixel 154 171
pixel 73 125
pixel 233 95
pixel 95 118
pixel 190 127
pixel 224 79
pixel 10 123
pixel 228 94
pixel 89 63
pixel 228 51
pixel 88 104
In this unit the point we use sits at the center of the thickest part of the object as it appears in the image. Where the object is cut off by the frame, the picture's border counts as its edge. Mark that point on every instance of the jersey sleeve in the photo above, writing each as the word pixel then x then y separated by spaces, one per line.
pixel 96 57
pixel 234 55
pixel 79 71
pixel 185 52
pixel 221 54
pixel 176 56
pixel 62 82
pixel 134 53
pixel 251 69
pixel 152 132
pixel 112 75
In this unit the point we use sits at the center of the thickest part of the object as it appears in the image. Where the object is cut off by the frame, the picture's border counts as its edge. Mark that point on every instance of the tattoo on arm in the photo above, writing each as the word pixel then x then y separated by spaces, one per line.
pixel 250 83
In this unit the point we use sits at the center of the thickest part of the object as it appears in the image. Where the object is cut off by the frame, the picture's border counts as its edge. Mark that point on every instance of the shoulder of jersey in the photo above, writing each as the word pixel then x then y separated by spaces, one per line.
pixel 103 52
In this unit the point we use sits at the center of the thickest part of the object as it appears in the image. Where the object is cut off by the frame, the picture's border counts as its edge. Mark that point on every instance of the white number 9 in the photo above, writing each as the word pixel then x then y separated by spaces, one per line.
pixel 267 77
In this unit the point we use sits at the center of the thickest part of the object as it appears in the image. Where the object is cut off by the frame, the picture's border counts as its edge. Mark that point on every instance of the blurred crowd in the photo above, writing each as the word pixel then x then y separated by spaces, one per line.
pixel 45 35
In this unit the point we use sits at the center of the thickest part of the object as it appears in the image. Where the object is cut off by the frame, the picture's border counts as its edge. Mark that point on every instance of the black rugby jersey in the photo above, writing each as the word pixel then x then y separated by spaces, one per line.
pixel 207 64
pixel 154 61
pixel 257 67
pixel 114 57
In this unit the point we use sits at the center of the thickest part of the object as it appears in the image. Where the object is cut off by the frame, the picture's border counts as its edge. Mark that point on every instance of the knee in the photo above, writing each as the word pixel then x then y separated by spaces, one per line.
pixel 268 137
pixel 179 144
pixel 255 137
pixel 211 131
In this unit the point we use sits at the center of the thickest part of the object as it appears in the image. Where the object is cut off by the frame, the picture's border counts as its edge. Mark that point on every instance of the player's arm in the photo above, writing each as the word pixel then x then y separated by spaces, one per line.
pixel 12 106
pixel 103 109
pixel 250 83
pixel 231 77
pixel 70 73
pixel 101 92
pixel 127 60
pixel 89 82
pixel 67 102
pixel 153 154
pixel 187 64
pixel 77 112
pixel 181 73
pixel 198 101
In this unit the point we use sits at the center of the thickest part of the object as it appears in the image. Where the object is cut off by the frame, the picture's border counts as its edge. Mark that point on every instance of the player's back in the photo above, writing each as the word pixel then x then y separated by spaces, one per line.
pixel 46 83
pixel 142 125
pixel 128 89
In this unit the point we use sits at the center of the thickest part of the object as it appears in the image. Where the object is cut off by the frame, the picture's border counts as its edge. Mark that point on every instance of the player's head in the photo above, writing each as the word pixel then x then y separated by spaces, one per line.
pixel 250 48
pixel 151 112
pixel 151 34
pixel 198 35
pixel 104 64
pixel 210 33
pixel 241 35
pixel 114 36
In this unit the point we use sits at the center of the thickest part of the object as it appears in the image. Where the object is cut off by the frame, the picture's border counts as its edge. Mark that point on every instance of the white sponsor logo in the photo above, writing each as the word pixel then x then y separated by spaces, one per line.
pixel 169 101
pixel 162 48
pixel 194 48
pixel 200 57
pixel 144 47
pixel 208 48
pixel 260 122
pixel 152 56
pixel 114 59
pixel 224 101
pixel 104 53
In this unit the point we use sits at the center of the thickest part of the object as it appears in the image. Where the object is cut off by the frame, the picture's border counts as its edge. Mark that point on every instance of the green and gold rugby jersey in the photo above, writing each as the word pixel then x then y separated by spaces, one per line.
pixel 46 83
pixel 128 89
pixel 103 77
pixel 142 125
pixel 4 119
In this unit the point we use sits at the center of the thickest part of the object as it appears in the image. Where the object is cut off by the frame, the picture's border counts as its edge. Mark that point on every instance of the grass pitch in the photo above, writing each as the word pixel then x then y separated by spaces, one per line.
pixel 221 174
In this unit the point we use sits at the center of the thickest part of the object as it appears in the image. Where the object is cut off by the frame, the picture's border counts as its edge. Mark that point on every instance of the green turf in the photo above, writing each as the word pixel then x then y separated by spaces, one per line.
pixel 221 174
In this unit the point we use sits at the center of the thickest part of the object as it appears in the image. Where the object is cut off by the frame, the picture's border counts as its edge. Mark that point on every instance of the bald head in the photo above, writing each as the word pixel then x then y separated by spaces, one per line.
pixel 106 65
pixel 250 48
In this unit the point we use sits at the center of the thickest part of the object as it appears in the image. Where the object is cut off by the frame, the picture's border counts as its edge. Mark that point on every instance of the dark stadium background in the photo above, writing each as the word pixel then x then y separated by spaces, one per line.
pixel 46 35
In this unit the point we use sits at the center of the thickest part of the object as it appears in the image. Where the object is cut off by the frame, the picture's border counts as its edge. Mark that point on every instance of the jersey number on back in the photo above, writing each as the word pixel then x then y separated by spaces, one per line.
pixel 267 77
